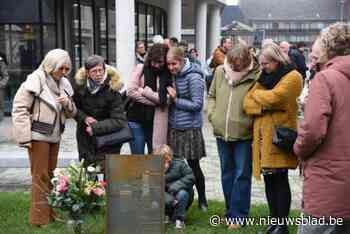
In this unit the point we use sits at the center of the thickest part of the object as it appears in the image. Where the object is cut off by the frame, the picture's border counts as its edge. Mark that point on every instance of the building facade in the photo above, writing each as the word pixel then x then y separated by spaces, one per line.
pixel 30 28
pixel 293 21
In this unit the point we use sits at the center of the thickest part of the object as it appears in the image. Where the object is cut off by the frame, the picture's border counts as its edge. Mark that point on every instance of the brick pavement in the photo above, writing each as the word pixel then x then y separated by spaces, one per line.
pixel 19 179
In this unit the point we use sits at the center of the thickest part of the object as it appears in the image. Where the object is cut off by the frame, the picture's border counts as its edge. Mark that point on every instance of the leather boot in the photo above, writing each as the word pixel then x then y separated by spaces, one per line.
pixel 280 229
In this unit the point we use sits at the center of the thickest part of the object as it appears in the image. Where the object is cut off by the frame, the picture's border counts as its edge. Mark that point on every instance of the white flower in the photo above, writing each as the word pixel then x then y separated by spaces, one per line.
pixel 75 207
pixel 57 172
pixel 54 180
pixel 91 169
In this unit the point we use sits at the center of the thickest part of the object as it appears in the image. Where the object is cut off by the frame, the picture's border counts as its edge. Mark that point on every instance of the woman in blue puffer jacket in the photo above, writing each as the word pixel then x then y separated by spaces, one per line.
pixel 185 116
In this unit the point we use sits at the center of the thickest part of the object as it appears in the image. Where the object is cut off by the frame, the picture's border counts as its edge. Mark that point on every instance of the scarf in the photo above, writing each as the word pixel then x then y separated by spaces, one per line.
pixel 94 86
pixel 165 80
pixel 54 87
pixel 270 80
pixel 233 77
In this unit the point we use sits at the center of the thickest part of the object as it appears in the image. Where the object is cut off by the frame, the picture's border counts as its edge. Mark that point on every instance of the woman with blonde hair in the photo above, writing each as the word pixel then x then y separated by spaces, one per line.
pixel 233 128
pixel 40 108
pixel 185 116
pixel 273 102
pixel 323 137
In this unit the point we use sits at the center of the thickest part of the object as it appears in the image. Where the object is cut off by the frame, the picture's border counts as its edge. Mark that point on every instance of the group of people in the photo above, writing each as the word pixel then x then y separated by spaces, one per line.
pixel 248 102
pixel 248 99
pixel 166 94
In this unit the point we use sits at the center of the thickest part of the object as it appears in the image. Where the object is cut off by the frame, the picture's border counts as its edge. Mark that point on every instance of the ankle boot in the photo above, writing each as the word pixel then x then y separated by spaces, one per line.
pixel 203 204
pixel 270 228
pixel 280 229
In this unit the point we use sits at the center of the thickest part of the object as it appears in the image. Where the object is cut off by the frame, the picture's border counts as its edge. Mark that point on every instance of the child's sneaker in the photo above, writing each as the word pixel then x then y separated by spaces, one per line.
pixel 179 225
pixel 166 219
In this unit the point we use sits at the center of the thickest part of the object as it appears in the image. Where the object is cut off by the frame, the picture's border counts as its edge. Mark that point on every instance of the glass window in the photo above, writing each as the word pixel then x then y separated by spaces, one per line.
pixel 293 26
pixel 321 25
pixel 111 34
pixel 157 22
pixel 284 25
pixel 48 11
pixel 142 22
pixel 20 45
pixel 101 28
pixel 314 25
pixel 136 22
pixel 87 32
pixel 305 26
pixel 150 23
pixel 75 39
pixel 164 24
pixel 19 11
pixel 49 36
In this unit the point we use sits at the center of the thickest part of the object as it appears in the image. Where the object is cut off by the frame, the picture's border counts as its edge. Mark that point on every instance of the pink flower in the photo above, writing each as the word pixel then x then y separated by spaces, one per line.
pixel 62 184
pixel 99 191
pixel 103 183
pixel 65 178
pixel 62 188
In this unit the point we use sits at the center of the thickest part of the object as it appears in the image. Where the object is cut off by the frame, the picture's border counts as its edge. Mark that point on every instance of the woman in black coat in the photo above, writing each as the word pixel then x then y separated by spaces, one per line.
pixel 100 107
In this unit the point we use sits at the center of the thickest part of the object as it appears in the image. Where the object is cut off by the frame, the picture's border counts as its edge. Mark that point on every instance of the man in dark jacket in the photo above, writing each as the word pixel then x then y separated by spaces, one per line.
pixel 100 107
pixel 295 56
pixel 179 181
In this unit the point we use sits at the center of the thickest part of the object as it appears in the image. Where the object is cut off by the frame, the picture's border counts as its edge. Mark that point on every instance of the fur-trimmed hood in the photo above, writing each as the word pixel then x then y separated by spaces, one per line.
pixel 115 81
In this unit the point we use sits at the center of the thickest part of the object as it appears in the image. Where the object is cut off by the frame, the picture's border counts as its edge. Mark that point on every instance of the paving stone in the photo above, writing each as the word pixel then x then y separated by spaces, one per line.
pixel 19 178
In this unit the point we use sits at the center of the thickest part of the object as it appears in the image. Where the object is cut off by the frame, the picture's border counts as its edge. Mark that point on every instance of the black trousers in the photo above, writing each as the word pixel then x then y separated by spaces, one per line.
pixel 200 181
pixel 278 194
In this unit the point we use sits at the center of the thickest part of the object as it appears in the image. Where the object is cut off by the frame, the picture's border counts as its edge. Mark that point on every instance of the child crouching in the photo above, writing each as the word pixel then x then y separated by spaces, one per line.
pixel 179 181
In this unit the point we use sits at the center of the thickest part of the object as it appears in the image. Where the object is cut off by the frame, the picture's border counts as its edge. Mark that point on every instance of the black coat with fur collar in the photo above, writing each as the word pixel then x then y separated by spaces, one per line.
pixel 105 106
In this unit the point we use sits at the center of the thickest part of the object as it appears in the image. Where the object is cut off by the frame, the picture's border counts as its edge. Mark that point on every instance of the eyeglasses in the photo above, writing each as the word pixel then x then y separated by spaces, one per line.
pixel 97 71
pixel 64 69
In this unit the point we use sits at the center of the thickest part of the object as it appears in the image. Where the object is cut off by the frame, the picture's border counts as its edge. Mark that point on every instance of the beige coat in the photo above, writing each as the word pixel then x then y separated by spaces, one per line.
pixel 34 100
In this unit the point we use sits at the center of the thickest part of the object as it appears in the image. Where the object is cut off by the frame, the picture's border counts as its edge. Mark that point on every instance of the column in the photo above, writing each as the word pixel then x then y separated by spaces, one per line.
pixel 201 29
pixel 125 37
pixel 174 18
pixel 342 2
pixel 214 28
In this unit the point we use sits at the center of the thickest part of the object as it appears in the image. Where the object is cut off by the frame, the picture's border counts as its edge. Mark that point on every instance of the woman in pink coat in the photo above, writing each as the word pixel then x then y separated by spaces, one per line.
pixel 148 111
pixel 323 142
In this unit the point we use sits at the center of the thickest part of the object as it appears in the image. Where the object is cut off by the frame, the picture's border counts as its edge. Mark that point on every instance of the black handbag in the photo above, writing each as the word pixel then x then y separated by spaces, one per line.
pixel 284 138
pixel 114 138
pixel 43 128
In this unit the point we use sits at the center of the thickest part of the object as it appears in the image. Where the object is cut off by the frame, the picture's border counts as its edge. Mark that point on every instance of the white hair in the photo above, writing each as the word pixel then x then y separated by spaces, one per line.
pixel 158 39
pixel 54 60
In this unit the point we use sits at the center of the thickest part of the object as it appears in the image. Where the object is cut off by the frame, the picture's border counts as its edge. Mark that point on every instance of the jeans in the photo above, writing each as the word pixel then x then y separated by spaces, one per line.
pixel 142 136
pixel 179 212
pixel 236 173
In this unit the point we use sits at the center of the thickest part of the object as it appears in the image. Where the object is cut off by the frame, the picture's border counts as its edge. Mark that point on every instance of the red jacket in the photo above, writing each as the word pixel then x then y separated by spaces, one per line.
pixel 323 142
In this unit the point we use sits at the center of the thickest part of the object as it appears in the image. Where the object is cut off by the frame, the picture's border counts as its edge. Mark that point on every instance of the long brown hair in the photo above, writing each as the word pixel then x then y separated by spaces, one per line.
pixel 158 51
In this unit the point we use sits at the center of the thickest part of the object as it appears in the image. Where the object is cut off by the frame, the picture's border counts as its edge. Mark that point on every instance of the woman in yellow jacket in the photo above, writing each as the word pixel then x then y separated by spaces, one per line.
pixel 273 102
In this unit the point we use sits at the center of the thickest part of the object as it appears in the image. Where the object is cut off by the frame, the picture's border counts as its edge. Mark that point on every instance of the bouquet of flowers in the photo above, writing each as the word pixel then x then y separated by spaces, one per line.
pixel 78 192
